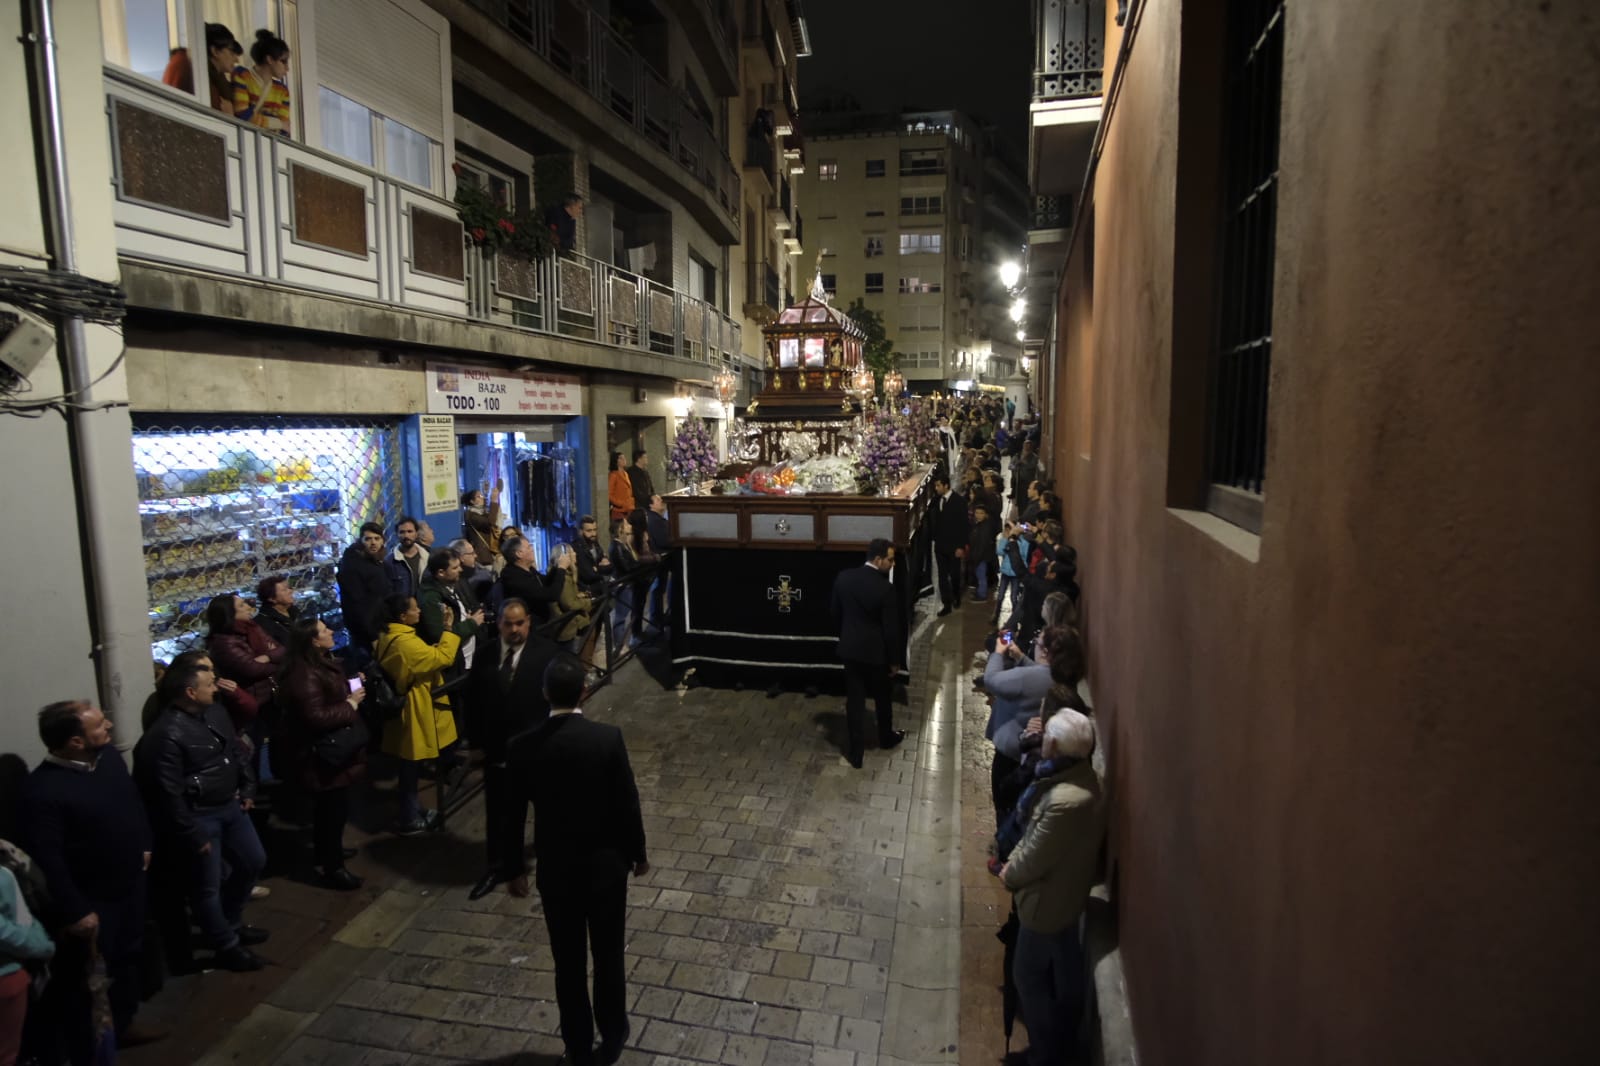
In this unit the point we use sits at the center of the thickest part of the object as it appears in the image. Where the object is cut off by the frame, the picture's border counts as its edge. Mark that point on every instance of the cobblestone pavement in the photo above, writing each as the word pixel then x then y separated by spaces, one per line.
pixel 797 911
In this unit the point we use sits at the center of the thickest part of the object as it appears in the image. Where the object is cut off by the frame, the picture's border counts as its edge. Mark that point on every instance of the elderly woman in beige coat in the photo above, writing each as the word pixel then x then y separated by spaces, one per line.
pixel 1050 873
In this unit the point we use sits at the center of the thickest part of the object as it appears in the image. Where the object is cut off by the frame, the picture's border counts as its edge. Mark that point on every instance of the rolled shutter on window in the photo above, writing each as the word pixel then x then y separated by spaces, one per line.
pixel 381 55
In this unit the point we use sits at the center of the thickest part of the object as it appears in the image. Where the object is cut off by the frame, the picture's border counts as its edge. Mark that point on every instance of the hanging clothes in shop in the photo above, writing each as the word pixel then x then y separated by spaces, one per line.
pixel 547 489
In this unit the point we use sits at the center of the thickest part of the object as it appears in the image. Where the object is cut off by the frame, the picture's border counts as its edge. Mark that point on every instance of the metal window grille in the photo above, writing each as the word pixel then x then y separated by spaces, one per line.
pixel 1249 226
pixel 223 504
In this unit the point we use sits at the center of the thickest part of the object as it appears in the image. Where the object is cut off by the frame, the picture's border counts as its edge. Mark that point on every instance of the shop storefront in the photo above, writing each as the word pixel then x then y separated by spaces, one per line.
pixel 524 432
pixel 225 502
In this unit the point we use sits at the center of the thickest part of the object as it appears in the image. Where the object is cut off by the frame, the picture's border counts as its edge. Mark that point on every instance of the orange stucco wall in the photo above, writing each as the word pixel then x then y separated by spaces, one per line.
pixel 1357 777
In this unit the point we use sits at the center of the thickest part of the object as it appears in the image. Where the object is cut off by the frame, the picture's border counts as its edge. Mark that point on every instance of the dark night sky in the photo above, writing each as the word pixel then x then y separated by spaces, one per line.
pixel 893 55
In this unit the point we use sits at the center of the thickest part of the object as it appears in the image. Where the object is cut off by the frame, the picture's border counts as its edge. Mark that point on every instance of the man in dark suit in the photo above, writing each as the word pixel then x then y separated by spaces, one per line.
pixel 639 478
pixel 871 643
pixel 508 700
pixel 659 531
pixel 588 832
pixel 950 534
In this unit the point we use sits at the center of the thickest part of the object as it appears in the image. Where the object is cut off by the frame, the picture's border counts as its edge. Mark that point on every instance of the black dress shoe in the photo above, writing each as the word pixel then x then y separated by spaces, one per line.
pixel 250 935
pixel 854 759
pixel 340 880
pixel 611 1050
pixel 239 959
pixel 892 740
pixel 484 886
pixel 944 610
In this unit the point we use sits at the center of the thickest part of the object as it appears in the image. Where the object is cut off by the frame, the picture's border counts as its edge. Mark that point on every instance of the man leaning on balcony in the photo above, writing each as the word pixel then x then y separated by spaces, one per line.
pixel 563 221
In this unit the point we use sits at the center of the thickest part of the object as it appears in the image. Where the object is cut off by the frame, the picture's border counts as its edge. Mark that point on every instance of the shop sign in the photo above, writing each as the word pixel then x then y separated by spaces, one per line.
pixel 709 407
pixel 437 445
pixel 454 389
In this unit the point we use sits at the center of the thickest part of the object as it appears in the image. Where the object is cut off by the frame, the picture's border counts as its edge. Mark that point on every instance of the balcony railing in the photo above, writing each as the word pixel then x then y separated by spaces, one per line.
pixel 773 292
pixel 1051 212
pixel 198 190
pixel 758 153
pixel 575 296
pixel 582 45
pixel 1069 49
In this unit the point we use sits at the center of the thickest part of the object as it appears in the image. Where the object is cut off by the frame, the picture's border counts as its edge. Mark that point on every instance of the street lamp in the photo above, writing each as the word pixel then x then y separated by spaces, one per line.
pixel 894 383
pixel 726 382
pixel 1010 273
pixel 1019 310
pixel 1022 334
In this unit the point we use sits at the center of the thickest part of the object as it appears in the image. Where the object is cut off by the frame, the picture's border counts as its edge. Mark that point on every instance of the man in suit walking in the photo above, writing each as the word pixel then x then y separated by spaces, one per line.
pixel 950 533
pixel 588 832
pixel 508 700
pixel 871 642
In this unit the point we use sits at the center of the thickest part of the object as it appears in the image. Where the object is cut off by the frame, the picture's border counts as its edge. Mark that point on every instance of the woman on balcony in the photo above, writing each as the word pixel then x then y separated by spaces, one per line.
pixel 261 93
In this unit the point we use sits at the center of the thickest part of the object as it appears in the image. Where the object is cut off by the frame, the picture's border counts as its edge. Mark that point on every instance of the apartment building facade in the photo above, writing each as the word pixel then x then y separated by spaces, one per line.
pixel 898 222
pixel 336 323
pixel 769 134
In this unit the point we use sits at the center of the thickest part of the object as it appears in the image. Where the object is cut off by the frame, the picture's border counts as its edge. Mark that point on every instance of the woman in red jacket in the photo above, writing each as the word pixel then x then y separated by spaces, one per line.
pixel 242 651
pixel 317 702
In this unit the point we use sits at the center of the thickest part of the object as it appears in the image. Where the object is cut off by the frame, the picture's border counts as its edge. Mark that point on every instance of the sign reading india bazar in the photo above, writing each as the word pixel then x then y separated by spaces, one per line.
pixel 456 390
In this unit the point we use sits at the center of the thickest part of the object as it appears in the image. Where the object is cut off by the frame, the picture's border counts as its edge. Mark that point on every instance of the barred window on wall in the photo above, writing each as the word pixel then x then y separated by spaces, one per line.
pixel 1243 356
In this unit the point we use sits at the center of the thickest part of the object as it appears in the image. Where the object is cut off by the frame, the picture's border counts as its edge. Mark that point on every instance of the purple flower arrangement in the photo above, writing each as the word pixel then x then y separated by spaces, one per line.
pixel 693 457
pixel 886 446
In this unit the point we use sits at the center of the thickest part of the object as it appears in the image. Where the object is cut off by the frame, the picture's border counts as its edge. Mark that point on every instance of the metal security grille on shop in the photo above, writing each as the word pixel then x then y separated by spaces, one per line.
pixel 223 505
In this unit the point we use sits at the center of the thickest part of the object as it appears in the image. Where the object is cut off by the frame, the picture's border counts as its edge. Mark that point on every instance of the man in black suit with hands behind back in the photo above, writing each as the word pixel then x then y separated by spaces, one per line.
pixel 588 833
pixel 871 643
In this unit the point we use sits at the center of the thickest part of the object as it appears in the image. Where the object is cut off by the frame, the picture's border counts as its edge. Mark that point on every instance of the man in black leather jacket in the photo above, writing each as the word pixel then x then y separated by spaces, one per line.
pixel 198 784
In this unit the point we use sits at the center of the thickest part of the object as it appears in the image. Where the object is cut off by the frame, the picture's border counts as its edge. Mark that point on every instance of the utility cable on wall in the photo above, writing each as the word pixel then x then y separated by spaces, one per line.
pixel 51 294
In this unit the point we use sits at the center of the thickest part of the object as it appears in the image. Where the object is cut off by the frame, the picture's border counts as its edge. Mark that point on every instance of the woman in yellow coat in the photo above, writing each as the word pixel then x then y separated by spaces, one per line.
pixel 424 730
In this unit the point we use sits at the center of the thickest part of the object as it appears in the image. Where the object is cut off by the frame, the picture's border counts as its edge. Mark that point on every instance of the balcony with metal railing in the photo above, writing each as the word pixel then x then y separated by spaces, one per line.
pixel 583 46
pixel 1069 48
pixel 575 296
pixel 302 232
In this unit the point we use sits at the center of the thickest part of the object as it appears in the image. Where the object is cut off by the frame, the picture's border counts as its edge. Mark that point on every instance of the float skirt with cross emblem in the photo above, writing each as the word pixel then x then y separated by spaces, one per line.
pixel 754 576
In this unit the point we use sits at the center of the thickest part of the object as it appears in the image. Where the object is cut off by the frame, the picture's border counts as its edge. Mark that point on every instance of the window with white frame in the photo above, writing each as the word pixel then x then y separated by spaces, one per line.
pixel 921 243
pixel 828 170
pixel 502 189
pixel 875 168
pixel 874 246
pixel 364 136
pixel 927 318
pixel 874 283
pixel 875 212
pixel 922 205
pixel 830 283
pixel 917 286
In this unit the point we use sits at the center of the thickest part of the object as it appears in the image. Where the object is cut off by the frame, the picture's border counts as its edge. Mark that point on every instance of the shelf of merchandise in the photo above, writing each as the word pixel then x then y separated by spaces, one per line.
pixel 198 546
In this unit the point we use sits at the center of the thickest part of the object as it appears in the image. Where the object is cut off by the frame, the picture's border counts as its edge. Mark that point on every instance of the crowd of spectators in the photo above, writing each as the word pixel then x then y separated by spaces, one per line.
pixel 265 715
pixel 1048 802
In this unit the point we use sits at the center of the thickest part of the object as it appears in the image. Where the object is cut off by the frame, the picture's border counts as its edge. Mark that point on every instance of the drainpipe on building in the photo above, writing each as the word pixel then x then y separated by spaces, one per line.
pixel 85 428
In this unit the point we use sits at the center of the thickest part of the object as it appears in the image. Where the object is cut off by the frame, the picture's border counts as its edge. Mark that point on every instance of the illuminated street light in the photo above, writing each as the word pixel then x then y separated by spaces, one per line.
pixel 1018 310
pixel 1022 334
pixel 1010 273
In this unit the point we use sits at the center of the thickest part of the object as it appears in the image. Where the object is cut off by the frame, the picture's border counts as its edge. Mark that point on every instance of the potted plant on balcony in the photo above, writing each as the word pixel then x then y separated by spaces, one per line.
pixel 489 226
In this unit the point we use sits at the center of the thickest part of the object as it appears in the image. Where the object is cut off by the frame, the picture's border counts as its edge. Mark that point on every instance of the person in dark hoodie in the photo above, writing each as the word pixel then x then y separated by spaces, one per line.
pixel 981 554
pixel 363 583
